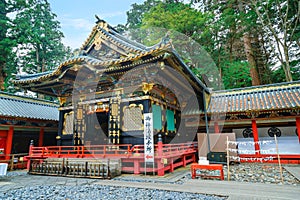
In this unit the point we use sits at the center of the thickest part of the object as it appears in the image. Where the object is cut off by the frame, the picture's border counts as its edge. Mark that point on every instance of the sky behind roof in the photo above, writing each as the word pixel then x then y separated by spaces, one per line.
pixel 77 17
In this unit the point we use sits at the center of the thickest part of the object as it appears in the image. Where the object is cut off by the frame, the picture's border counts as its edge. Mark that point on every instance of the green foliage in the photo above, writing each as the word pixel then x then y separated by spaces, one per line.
pixel 136 14
pixel 31 41
pixel 278 74
pixel 176 16
pixel 7 42
pixel 39 38
pixel 236 74
pixel 281 20
pixel 220 28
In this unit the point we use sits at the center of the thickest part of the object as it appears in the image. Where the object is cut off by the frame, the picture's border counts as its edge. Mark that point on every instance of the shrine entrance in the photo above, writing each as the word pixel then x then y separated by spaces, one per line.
pixel 97 128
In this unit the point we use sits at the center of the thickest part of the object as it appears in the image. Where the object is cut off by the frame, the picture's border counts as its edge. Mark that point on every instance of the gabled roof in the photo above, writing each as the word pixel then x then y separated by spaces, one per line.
pixel 103 33
pixel 265 98
pixel 25 107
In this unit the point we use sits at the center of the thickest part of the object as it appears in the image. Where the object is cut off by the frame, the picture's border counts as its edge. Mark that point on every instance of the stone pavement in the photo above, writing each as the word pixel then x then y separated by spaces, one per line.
pixel 295 170
pixel 234 190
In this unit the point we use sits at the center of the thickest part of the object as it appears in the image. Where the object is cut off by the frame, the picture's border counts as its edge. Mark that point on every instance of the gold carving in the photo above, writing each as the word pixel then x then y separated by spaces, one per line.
pixel 79 113
pixel 68 123
pixel 114 109
pixel 133 117
pixel 62 100
pixel 146 87
pixel 97 43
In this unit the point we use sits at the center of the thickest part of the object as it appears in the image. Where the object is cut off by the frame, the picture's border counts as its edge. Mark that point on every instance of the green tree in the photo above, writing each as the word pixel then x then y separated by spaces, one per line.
pixel 136 13
pixel 39 38
pixel 281 19
pixel 236 74
pixel 7 64
pixel 195 46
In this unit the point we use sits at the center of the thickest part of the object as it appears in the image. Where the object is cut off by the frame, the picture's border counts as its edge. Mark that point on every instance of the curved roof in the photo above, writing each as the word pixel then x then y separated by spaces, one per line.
pixel 25 107
pixel 265 98
pixel 97 64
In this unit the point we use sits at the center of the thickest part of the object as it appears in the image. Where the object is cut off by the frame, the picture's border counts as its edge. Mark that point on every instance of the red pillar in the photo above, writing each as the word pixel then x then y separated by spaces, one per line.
pixel 9 140
pixel 298 127
pixel 136 166
pixel 30 154
pixel 159 148
pixel 216 127
pixel 255 137
pixel 160 164
pixel 41 137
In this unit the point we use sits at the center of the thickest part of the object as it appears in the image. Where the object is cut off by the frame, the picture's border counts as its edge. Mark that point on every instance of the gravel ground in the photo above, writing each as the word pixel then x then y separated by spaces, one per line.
pixel 255 173
pixel 98 192
pixel 258 173
pixel 93 191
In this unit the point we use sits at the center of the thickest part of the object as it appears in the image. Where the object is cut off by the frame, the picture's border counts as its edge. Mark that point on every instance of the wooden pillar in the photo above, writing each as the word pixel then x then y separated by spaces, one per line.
pixel 255 137
pixel 160 164
pixel 41 137
pixel 216 127
pixel 30 154
pixel 136 166
pixel 9 141
pixel 298 127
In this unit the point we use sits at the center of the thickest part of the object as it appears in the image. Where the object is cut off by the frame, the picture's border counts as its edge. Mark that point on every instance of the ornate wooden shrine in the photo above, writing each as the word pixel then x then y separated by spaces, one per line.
pixel 106 89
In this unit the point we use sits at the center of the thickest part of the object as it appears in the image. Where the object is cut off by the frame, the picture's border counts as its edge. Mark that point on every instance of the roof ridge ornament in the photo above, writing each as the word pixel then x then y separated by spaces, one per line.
pixel 101 23
pixel 166 39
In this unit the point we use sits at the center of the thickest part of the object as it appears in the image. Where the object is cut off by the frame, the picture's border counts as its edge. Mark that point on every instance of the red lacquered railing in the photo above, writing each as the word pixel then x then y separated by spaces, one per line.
pixel 121 151
pixel 169 149
pixel 82 151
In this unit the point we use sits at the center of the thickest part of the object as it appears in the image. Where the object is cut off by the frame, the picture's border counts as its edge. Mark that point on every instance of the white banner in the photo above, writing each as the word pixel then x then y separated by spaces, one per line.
pixel 148 138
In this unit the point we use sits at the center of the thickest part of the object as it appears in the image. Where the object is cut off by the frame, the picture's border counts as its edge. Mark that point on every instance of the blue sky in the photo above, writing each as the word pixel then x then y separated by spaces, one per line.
pixel 77 17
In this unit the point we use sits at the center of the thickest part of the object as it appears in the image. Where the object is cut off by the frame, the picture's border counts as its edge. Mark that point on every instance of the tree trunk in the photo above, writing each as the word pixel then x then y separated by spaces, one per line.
pixel 286 66
pixel 38 68
pixel 2 75
pixel 261 59
pixel 250 57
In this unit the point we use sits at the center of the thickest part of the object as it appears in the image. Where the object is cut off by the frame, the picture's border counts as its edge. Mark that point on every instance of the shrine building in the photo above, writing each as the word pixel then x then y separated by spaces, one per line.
pixel 105 91
pixel 23 119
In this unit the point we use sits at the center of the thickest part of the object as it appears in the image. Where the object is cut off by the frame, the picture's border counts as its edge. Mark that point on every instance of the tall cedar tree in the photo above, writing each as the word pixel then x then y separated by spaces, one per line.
pixel 39 39
pixel 7 42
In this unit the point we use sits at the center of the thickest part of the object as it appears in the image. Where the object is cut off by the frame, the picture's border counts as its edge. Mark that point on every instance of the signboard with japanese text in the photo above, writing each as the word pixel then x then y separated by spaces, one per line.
pixel 148 137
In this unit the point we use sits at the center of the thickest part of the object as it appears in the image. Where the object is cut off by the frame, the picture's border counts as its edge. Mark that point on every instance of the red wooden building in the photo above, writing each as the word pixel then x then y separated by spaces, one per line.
pixel 257 114
pixel 23 119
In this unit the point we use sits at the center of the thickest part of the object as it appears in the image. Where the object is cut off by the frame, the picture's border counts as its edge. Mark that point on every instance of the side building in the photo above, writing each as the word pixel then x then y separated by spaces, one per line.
pixel 23 119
